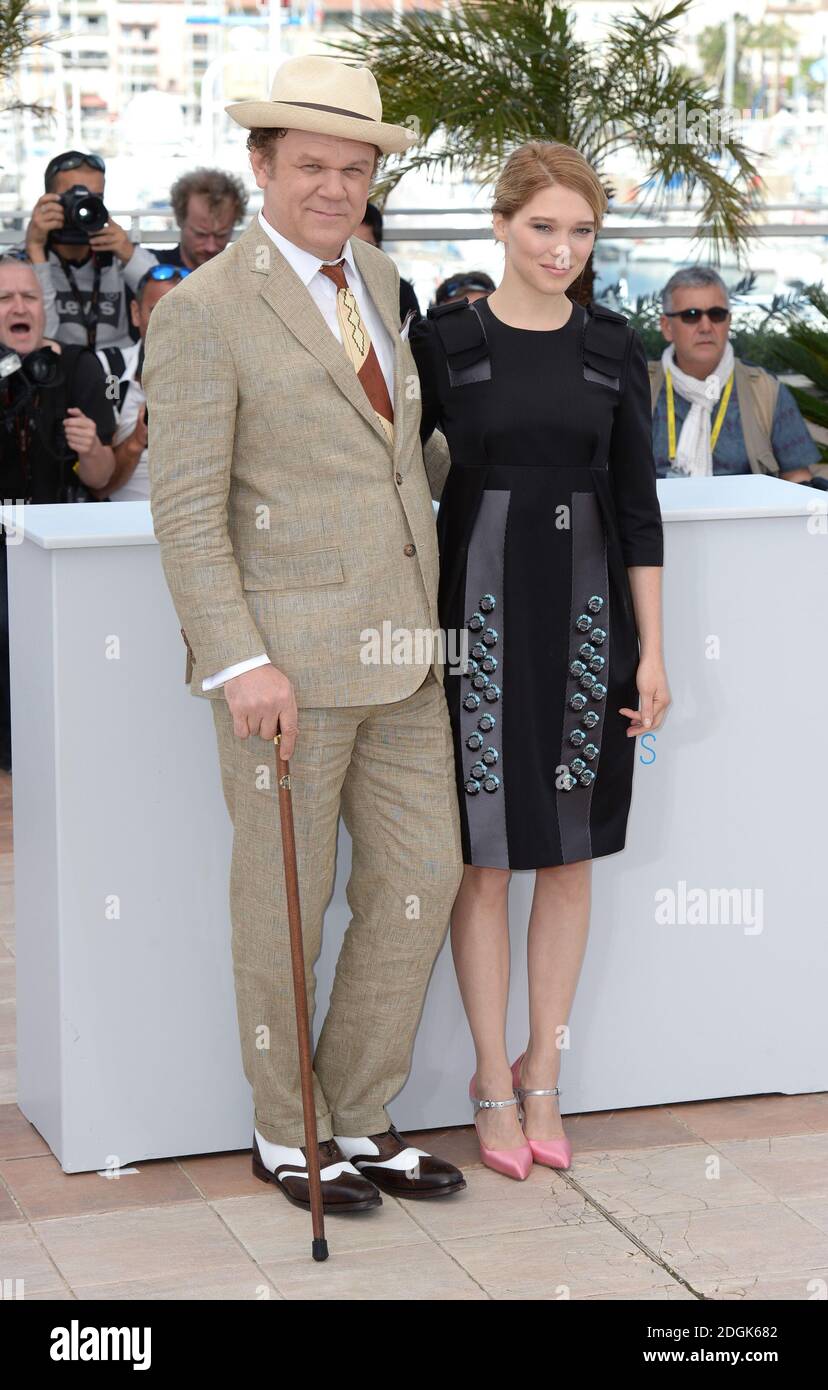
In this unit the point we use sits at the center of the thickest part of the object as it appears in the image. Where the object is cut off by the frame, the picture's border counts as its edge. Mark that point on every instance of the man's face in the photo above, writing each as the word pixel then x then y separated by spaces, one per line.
pixel 699 346
pixel 141 309
pixel 22 316
pixel 315 189
pixel 205 231
pixel 86 177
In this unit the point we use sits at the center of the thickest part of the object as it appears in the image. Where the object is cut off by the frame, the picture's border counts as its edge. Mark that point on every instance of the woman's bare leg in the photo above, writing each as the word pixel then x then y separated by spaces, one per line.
pixel 558 928
pixel 480 947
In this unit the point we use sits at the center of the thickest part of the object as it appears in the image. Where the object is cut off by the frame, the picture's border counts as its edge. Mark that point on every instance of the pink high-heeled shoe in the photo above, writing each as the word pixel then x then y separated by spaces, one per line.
pixel 515 1163
pixel 552 1153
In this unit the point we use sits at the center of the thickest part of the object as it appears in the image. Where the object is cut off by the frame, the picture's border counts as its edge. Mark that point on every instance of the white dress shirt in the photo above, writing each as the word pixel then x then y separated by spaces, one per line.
pixel 323 291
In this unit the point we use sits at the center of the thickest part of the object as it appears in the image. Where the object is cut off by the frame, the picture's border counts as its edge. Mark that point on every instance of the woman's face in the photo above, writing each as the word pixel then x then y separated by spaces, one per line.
pixel 549 240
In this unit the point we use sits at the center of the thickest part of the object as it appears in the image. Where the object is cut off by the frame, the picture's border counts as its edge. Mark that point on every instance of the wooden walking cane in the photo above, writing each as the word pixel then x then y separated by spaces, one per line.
pixel 319 1247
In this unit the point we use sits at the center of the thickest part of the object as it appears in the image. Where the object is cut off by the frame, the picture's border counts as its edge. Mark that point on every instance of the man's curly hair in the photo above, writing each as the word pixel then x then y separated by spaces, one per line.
pixel 214 184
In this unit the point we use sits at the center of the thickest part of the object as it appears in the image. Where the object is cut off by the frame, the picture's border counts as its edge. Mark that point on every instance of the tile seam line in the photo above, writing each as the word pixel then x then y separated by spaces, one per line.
pixel 619 1226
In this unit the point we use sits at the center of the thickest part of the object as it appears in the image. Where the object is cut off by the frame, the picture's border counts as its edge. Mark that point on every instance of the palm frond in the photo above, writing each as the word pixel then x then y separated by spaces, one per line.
pixel 492 75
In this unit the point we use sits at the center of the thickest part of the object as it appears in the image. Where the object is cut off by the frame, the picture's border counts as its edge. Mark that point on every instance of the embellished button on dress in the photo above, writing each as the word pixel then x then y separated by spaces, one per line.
pixel 551 494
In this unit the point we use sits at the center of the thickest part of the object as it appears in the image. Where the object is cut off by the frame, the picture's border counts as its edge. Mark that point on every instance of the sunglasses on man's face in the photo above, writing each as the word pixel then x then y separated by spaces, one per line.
pixel 461 286
pixel 74 159
pixel 716 315
pixel 162 272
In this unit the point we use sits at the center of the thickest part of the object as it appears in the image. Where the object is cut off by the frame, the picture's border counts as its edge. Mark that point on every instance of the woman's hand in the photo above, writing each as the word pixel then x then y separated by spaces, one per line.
pixel 654 697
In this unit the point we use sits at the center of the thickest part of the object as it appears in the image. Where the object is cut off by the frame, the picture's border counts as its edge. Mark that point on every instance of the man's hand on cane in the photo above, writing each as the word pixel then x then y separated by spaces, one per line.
pixel 262 702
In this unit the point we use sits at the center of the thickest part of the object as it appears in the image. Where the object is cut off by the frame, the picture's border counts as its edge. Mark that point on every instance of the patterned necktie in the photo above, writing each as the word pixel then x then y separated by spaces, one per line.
pixel 357 343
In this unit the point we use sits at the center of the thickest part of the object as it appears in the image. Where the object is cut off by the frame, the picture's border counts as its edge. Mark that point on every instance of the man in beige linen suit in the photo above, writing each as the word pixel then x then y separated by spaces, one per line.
pixel 293 510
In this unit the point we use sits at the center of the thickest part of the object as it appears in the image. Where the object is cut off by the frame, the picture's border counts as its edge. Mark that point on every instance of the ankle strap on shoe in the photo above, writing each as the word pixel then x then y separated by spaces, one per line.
pixel 492 1104
pixel 521 1091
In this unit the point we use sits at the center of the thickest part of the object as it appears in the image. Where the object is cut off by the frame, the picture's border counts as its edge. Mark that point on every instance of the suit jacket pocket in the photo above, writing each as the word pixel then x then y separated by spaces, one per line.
pixel 293 569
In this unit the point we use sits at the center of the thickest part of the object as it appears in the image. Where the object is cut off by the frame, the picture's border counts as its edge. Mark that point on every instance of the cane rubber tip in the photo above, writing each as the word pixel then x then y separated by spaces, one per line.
pixel 320 1249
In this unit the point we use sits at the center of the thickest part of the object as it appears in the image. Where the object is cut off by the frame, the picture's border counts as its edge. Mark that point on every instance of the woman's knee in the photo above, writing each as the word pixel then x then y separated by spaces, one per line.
pixel 485 882
pixel 572 879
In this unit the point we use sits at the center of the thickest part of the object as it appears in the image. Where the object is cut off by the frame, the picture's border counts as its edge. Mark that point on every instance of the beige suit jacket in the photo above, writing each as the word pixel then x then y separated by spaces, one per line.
pixel 286 522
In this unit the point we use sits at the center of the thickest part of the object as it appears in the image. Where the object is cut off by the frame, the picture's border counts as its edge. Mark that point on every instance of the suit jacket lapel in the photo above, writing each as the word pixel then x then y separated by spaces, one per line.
pixel 288 297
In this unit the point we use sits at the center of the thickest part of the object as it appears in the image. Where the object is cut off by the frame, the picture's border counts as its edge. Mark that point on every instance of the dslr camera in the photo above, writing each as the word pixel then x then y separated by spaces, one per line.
pixel 83 212
pixel 39 368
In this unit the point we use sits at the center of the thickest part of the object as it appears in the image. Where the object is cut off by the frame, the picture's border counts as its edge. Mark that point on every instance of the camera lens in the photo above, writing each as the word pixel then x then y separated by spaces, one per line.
pixel 41 367
pixel 89 214
pixel 84 214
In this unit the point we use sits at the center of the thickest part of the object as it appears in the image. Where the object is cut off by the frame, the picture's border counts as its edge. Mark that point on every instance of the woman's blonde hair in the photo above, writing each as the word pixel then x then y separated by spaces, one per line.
pixel 542 164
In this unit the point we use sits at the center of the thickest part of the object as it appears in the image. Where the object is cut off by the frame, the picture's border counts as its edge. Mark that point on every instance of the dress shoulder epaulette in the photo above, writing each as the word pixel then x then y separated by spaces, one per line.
pixel 604 345
pixel 463 337
pixel 437 311
pixel 601 311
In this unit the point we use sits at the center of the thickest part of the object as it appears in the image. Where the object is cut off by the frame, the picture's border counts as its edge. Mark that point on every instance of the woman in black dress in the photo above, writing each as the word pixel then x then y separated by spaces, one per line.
pixel 550 551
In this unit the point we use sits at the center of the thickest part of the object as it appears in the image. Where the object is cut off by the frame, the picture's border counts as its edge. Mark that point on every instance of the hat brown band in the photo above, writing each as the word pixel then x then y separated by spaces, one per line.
pixel 337 110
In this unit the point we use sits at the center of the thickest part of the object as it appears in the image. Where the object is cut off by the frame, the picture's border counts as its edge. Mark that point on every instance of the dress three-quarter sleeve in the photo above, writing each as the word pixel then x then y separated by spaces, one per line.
pixel 632 467
pixel 421 339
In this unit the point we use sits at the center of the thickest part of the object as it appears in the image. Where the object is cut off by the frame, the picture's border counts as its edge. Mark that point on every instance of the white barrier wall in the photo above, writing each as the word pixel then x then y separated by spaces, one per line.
pixel 706 966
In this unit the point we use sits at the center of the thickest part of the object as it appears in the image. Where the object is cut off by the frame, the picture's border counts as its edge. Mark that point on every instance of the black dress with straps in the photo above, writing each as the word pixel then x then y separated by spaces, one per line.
pixel 550 496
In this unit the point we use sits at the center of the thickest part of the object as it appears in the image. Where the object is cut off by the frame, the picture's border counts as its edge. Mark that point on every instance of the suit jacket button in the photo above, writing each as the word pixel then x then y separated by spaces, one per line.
pixel 398 477
pixel 410 549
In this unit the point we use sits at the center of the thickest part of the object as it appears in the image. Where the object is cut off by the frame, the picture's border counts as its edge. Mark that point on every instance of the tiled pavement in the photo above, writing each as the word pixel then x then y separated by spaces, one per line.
pixel 723 1199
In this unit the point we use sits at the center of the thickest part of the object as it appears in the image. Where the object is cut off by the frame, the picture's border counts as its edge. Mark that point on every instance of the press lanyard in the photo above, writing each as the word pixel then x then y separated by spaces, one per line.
pixel 90 323
pixel 671 415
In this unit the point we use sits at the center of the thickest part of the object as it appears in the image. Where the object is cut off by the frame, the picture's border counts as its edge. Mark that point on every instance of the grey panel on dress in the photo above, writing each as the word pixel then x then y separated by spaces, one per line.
pixel 485 810
pixel 477 371
pixel 592 374
pixel 589 581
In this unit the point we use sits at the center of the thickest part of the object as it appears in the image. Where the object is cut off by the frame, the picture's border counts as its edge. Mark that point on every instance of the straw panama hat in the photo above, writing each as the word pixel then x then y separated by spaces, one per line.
pixel 328 97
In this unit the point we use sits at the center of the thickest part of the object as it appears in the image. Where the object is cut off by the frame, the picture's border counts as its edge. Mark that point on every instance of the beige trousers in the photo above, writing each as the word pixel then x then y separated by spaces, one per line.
pixel 389 768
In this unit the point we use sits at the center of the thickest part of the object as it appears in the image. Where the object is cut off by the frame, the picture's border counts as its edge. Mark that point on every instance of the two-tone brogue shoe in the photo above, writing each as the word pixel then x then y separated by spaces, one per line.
pixel 343 1186
pixel 400 1169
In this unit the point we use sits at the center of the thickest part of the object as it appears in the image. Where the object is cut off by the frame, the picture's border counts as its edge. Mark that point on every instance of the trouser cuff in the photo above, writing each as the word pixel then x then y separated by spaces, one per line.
pixel 361 1122
pixel 291 1134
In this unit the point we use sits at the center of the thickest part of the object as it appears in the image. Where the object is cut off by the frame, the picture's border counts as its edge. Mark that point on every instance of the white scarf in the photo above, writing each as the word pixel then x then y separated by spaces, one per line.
pixel 694 455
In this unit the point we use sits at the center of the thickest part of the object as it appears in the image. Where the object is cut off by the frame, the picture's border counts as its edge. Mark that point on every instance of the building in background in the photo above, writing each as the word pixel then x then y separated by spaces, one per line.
pixel 145 83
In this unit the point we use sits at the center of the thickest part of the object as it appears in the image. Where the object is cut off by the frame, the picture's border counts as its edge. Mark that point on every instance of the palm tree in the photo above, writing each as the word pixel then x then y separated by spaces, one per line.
pixel 15 36
pixel 803 348
pixel 496 73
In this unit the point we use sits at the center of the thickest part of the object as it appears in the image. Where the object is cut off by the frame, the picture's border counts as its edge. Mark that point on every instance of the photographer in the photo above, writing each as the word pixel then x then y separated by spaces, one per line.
pixel 56 424
pixel 85 262
pixel 130 480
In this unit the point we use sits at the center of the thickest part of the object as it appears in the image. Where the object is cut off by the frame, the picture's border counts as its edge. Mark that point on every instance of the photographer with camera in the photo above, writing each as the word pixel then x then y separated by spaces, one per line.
pixel 56 424
pixel 85 262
